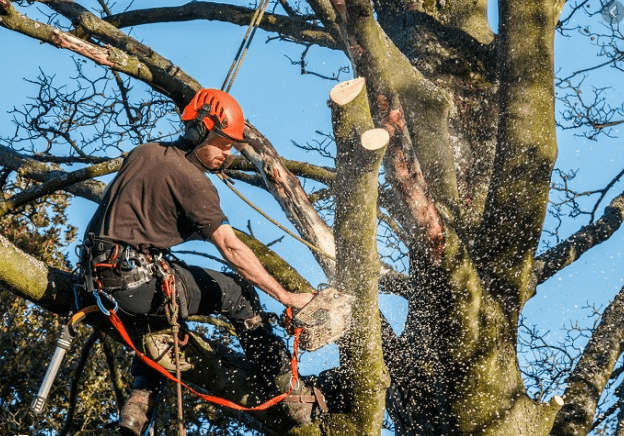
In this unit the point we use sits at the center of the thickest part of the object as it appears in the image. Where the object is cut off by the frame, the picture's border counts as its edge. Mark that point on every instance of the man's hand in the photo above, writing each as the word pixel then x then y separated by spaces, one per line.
pixel 298 300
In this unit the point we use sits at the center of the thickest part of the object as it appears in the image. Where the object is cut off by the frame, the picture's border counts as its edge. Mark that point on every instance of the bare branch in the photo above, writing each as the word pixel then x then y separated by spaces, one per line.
pixel 60 182
pixel 568 251
pixel 32 169
pixel 296 27
pixel 593 371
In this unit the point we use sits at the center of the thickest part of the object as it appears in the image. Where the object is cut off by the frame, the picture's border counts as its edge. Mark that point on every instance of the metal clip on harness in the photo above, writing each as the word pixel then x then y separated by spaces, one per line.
pixel 100 305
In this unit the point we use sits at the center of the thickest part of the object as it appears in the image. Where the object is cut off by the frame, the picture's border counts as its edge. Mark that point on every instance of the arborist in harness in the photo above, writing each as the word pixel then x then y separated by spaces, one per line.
pixel 162 197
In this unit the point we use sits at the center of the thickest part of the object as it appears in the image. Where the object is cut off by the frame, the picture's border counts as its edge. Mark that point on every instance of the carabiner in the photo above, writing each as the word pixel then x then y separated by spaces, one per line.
pixel 129 262
pixel 100 305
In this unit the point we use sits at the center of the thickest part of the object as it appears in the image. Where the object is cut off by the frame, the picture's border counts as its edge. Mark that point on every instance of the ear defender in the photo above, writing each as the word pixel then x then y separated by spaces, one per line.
pixel 196 131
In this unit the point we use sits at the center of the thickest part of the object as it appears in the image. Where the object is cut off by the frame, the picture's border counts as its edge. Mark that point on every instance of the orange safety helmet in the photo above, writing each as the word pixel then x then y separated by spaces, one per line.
pixel 212 109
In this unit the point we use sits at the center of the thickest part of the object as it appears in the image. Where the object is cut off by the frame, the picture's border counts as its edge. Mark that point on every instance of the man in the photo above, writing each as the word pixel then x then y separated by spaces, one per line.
pixel 161 197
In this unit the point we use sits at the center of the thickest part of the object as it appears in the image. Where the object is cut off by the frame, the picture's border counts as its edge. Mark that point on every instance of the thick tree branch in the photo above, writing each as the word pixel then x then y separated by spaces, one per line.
pixel 484 51
pixel 360 150
pixel 294 28
pixel 469 16
pixel 592 372
pixel 526 149
pixel 278 267
pixel 419 216
pixel 567 252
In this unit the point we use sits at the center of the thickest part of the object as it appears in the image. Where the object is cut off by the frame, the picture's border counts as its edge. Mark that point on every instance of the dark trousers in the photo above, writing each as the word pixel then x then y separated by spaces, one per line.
pixel 210 292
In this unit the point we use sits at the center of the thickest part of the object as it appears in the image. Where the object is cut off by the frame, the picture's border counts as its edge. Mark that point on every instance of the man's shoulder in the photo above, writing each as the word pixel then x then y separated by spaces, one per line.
pixel 171 164
pixel 159 151
pixel 153 147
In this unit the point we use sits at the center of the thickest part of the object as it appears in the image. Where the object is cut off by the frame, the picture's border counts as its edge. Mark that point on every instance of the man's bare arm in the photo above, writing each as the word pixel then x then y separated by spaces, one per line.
pixel 244 262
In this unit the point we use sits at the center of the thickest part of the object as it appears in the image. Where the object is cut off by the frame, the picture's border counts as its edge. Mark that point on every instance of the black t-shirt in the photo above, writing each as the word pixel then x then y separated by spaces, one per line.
pixel 157 200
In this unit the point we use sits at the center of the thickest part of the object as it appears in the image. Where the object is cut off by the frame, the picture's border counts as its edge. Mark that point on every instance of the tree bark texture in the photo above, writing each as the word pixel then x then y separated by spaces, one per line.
pixel 591 374
pixel 357 258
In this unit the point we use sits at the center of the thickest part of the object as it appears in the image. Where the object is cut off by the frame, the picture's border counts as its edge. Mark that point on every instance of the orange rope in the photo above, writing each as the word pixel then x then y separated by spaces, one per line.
pixel 116 322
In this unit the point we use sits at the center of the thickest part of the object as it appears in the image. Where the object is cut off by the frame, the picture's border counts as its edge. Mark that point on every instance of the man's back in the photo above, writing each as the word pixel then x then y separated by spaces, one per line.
pixel 157 200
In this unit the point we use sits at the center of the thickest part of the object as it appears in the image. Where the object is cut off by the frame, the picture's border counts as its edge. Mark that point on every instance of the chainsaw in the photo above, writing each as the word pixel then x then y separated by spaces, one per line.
pixel 323 320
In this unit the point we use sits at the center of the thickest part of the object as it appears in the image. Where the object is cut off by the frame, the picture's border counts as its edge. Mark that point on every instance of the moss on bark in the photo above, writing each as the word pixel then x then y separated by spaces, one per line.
pixel 357 264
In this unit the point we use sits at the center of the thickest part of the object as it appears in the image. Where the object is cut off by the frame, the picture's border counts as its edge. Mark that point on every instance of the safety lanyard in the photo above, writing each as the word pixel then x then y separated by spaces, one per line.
pixel 116 322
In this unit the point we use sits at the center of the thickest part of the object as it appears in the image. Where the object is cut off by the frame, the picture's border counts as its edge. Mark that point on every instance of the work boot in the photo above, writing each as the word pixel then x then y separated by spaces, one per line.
pixel 304 401
pixel 137 412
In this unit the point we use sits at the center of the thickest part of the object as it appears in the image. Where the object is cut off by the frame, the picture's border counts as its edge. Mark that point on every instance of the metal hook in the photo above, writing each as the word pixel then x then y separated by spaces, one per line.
pixel 129 262
pixel 100 304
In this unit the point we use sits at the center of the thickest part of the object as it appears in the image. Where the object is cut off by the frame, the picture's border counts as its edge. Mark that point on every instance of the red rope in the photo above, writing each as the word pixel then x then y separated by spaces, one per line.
pixel 116 322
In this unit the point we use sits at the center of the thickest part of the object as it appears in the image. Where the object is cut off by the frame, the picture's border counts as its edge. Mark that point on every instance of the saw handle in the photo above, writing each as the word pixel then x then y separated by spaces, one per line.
pixel 62 345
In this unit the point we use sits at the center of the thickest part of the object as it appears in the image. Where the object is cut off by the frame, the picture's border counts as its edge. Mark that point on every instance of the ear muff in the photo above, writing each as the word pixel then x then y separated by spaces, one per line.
pixel 195 133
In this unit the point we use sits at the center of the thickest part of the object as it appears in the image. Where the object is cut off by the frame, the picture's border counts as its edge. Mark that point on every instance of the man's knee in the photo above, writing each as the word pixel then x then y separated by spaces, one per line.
pixel 240 302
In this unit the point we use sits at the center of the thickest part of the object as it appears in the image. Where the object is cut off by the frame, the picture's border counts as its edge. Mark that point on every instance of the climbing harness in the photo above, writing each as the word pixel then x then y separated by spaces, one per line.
pixel 101 261
pixel 108 306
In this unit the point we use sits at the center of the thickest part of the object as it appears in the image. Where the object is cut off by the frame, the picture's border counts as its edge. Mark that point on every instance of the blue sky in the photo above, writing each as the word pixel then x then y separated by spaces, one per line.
pixel 271 92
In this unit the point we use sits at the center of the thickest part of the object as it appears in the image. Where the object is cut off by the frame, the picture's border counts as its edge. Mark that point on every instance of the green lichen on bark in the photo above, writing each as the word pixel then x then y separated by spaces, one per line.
pixel 19 271
pixel 275 265
pixel 527 147
pixel 26 276
pixel 358 262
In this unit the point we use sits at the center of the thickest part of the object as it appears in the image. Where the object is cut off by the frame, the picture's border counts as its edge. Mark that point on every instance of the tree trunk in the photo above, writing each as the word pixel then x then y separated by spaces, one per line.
pixel 360 150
